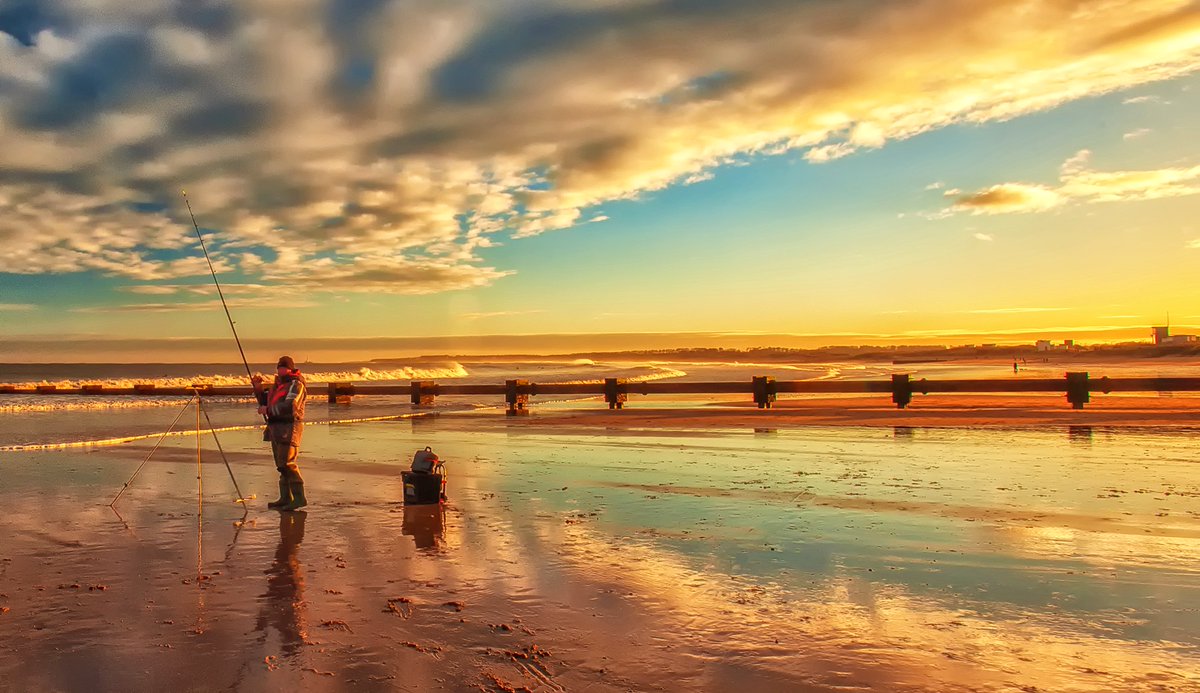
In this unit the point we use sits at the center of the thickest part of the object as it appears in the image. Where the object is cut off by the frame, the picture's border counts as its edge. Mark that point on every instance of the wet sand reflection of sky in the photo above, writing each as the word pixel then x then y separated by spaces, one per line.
pixel 812 558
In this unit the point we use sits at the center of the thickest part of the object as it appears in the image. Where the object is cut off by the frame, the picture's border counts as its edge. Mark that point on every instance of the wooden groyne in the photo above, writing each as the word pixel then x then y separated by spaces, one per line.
pixel 1077 388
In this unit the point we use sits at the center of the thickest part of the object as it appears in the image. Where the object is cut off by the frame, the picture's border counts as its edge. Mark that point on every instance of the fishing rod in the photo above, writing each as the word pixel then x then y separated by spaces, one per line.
pixel 220 294
pixel 242 352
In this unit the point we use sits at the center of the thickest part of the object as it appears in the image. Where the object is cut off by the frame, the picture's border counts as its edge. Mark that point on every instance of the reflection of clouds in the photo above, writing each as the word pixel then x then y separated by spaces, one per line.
pixel 915 643
pixel 1107 550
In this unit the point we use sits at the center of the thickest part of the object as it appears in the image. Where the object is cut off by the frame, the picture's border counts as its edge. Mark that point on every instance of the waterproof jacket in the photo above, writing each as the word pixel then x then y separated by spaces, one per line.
pixel 285 408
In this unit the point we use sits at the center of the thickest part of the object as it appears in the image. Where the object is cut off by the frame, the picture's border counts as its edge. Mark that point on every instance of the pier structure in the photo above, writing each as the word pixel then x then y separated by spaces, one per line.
pixel 1077 388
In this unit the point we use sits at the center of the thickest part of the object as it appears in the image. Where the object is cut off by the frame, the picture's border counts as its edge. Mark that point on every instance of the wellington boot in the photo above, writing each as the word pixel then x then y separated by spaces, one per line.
pixel 298 499
pixel 285 495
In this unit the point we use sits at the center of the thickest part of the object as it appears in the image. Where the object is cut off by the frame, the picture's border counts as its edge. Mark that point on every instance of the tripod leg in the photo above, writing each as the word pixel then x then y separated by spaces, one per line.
pixel 160 440
pixel 213 431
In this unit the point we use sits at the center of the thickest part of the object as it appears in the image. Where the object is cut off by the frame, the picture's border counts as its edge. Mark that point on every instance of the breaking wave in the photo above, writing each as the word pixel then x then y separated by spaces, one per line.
pixel 660 373
pixel 364 374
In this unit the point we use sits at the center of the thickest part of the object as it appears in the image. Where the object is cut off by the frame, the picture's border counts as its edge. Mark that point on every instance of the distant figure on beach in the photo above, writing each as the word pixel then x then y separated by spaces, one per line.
pixel 283 405
pixel 1014 365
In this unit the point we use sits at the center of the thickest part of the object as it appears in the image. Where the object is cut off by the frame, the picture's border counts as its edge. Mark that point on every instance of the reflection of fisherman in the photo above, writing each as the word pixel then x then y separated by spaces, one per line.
pixel 282 605
pixel 283 405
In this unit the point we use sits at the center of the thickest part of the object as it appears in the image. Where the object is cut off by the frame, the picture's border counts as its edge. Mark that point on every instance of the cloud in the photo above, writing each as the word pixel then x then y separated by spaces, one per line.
pixel 1013 311
pixel 499 314
pixel 1079 161
pixel 1008 197
pixel 1143 99
pixel 14 307
pixel 264 303
pixel 1078 183
pixel 380 146
pixel 1135 134
pixel 1194 243
pixel 983 237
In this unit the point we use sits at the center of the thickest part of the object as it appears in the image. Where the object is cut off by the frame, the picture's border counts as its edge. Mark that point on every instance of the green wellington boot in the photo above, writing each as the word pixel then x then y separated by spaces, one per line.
pixel 298 499
pixel 285 495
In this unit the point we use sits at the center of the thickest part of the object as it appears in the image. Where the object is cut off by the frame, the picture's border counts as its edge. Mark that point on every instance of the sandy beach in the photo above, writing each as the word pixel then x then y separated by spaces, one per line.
pixel 819 546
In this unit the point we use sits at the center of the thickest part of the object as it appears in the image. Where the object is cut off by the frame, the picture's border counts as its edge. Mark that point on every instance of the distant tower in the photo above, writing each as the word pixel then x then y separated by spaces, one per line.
pixel 1161 333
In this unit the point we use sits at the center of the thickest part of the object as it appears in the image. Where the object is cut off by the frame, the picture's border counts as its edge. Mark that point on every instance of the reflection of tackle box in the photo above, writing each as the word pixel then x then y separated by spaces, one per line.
pixel 426 483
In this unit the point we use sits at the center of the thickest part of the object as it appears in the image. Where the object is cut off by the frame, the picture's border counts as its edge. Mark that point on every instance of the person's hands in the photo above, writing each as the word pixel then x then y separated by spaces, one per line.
pixel 257 381
pixel 262 410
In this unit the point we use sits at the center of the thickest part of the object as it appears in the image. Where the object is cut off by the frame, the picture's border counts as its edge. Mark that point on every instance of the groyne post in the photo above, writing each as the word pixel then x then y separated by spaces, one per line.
pixel 901 390
pixel 616 392
pixel 341 393
pixel 763 387
pixel 1077 389
pixel 421 393
pixel 517 401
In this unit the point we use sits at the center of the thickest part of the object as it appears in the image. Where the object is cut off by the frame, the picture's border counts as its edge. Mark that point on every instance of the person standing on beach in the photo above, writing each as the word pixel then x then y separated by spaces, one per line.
pixel 283 405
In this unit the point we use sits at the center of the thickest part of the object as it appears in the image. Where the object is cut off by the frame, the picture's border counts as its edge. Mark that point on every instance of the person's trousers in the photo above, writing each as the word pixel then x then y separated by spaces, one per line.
pixel 285 460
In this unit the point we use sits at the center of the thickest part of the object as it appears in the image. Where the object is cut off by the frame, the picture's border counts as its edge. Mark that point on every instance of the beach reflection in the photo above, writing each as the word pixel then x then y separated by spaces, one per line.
pixel 819 559
pixel 1080 435
pixel 426 524
pixel 282 606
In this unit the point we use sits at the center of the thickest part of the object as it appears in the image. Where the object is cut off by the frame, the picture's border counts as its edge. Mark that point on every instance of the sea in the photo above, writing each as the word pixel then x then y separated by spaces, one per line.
pixel 39 422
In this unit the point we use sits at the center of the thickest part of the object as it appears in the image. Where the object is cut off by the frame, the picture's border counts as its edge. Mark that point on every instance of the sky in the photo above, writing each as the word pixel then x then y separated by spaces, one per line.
pixel 797 172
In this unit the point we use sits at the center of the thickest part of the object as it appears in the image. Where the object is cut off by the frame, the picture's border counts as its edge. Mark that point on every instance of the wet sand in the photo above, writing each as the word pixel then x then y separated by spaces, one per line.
pixel 976 411
pixel 713 548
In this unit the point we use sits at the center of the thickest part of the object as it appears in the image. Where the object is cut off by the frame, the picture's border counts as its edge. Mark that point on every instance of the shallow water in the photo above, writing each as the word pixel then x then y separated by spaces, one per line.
pixel 803 559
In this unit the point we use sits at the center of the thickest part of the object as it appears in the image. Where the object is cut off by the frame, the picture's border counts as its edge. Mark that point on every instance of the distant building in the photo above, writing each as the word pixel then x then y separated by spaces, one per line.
pixel 1163 337
pixel 1068 343
pixel 1043 345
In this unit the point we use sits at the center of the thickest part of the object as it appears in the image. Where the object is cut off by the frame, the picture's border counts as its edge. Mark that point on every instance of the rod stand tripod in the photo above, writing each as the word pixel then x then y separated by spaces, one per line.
pixel 200 410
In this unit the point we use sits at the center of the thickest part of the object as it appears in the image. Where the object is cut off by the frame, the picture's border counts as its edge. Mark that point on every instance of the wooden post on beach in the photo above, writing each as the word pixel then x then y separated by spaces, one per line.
pixel 1077 389
pixel 763 387
pixel 901 390
pixel 341 393
pixel 517 401
pixel 615 392
pixel 421 393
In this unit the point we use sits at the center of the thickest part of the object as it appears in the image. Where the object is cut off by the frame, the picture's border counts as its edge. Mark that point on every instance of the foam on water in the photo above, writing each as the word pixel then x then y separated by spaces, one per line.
pixel 364 374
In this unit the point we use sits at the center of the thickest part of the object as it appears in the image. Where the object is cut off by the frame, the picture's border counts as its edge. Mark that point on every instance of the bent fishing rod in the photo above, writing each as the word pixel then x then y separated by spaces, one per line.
pixel 220 294
pixel 232 328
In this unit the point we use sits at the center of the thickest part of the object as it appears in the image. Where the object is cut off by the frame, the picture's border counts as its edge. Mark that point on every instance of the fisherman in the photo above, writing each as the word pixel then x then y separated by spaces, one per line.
pixel 283 405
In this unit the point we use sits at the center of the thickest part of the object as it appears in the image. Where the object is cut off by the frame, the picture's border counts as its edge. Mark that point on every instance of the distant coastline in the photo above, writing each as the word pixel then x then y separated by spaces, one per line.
pixel 893 354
